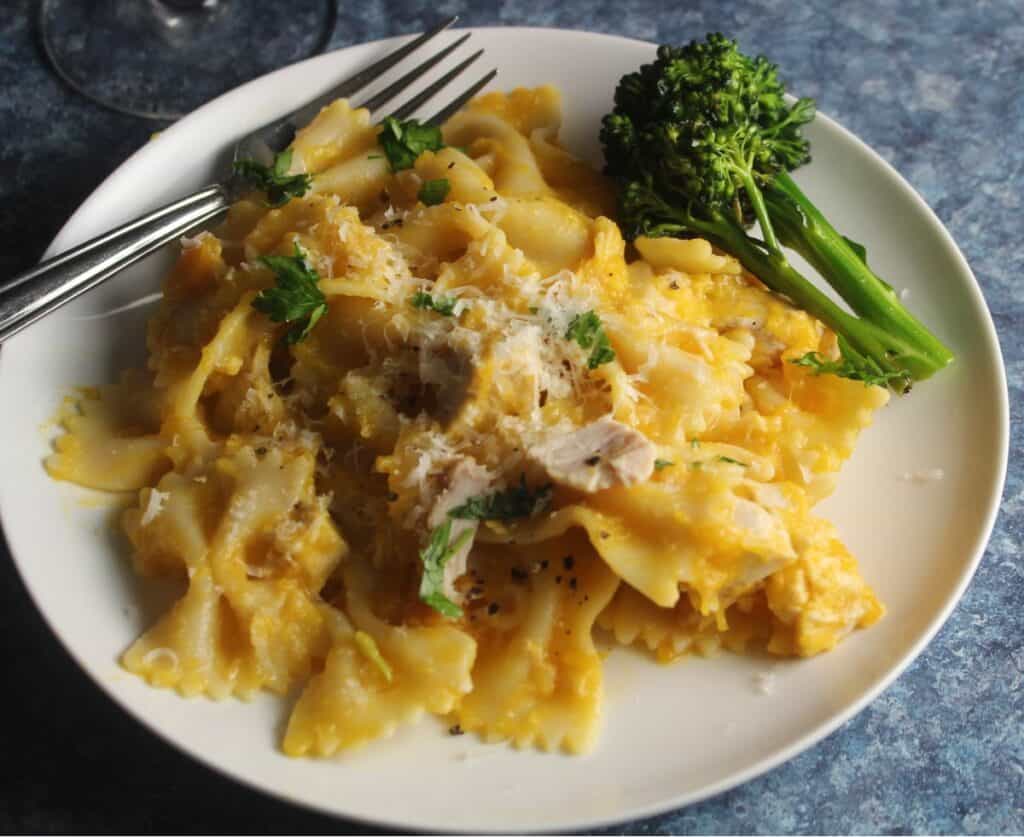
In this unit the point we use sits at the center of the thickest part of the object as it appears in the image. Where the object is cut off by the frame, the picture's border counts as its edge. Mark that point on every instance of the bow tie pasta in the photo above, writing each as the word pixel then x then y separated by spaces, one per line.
pixel 477 427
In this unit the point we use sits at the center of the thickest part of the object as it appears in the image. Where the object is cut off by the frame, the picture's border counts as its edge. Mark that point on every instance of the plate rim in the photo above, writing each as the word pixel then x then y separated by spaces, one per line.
pixel 65 238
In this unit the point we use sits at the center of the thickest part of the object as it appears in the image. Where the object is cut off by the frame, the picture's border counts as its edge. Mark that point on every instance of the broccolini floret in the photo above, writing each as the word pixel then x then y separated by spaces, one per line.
pixel 701 143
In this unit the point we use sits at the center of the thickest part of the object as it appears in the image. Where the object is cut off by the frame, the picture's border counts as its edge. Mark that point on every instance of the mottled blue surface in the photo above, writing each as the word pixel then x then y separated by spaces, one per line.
pixel 938 89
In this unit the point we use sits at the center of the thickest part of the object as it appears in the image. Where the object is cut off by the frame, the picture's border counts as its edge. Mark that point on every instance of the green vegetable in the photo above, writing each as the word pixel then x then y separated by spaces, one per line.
pixel 587 330
pixel 444 305
pixel 844 369
pixel 368 646
pixel 434 556
pixel 404 141
pixel 663 463
pixel 732 461
pixel 274 180
pixel 701 142
pixel 517 501
pixel 295 298
pixel 433 192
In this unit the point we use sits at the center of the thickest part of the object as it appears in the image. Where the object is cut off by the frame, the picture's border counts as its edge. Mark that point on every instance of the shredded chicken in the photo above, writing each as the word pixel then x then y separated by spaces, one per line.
pixel 598 456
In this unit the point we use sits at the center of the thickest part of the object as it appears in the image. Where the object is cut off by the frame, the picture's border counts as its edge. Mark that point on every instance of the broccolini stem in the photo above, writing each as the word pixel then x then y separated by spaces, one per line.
pixel 879 350
pixel 802 227
pixel 760 210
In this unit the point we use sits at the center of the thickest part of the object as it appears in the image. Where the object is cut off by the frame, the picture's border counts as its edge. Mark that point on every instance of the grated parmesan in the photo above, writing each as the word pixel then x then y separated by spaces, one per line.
pixel 154 505
pixel 764 683
pixel 924 475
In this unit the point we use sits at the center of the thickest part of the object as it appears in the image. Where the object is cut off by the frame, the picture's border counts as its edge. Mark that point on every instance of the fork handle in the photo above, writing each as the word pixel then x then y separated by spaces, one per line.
pixel 60 279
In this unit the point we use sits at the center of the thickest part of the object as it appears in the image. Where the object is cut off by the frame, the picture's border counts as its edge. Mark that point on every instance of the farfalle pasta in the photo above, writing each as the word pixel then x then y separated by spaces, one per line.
pixel 502 437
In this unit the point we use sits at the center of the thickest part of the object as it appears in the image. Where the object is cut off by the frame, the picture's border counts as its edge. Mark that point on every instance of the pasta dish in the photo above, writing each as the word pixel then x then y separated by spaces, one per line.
pixel 414 437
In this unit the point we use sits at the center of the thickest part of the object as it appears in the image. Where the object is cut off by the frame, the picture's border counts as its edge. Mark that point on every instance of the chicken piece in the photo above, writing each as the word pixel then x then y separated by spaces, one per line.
pixel 465 479
pixel 602 454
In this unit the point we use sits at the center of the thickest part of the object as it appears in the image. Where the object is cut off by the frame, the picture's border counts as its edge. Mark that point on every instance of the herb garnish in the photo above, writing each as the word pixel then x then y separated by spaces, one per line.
pixel 295 298
pixel 732 461
pixel 368 646
pixel 845 368
pixel 433 192
pixel 659 464
pixel 443 305
pixel 517 501
pixel 404 141
pixel 274 180
pixel 587 330
pixel 434 556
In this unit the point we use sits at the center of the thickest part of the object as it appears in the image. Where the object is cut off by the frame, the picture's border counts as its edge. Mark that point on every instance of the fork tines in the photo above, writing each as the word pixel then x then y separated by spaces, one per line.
pixel 378 69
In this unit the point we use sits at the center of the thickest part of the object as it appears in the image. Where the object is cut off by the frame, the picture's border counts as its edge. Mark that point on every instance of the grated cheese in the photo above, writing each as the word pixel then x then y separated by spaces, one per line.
pixel 925 475
pixel 154 505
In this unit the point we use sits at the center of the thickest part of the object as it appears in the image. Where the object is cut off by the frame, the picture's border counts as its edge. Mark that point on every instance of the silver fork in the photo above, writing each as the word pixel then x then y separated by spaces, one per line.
pixel 60 279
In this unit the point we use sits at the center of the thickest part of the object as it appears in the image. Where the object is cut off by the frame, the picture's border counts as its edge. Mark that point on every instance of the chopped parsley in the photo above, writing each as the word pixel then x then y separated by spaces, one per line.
pixel 509 504
pixel 587 330
pixel 295 299
pixel 368 647
pixel 660 464
pixel 433 192
pixel 434 556
pixel 279 186
pixel 443 305
pixel 732 461
pixel 844 368
pixel 404 141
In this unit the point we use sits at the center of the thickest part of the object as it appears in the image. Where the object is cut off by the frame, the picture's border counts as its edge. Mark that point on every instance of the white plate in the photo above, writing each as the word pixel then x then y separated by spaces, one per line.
pixel 672 734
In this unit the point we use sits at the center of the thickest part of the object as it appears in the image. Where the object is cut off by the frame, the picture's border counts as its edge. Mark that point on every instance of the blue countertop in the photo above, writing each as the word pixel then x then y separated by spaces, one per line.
pixel 938 89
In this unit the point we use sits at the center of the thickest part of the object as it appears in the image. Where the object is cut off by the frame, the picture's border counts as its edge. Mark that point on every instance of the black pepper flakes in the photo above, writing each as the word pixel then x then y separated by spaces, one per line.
pixel 493 198
pixel 605 536
pixel 451 165
pixel 519 574
pixel 392 496
pixel 493 608
pixel 558 579
pixel 592 461
pixel 568 562
pixel 456 730
pixel 673 285
pixel 261 451
pixel 544 564
pixel 572 583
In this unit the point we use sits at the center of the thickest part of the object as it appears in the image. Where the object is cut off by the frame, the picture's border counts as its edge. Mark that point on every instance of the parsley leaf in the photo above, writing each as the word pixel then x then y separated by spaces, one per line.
pixel 587 330
pixel 404 141
pixel 443 305
pixel 433 192
pixel 732 461
pixel 274 179
pixel 366 644
pixel 434 556
pixel 659 464
pixel 846 368
pixel 517 501
pixel 295 298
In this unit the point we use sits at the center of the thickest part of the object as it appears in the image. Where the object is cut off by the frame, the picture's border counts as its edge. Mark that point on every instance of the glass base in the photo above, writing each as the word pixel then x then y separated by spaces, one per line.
pixel 161 59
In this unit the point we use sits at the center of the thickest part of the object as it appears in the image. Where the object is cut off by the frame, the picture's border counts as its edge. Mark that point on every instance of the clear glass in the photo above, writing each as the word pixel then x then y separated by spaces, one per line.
pixel 160 59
